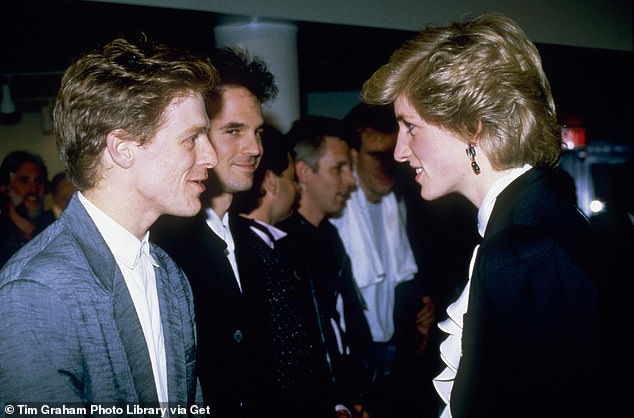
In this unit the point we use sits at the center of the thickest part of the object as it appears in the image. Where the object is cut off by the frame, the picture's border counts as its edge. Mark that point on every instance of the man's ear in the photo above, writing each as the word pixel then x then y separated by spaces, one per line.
pixel 119 148
pixel 270 184
pixel 302 171
pixel 355 156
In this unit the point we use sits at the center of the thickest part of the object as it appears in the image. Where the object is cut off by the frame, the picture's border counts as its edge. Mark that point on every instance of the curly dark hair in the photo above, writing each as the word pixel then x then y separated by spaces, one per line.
pixel 308 135
pixel 237 68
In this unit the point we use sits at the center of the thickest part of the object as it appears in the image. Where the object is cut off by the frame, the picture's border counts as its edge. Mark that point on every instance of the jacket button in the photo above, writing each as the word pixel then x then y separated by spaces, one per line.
pixel 237 336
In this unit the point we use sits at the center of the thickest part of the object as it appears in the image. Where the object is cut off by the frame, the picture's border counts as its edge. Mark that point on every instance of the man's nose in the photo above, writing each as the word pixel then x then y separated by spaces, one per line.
pixel 207 154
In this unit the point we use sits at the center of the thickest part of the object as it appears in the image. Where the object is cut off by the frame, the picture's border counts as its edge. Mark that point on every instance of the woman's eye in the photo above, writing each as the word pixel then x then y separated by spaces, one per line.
pixel 409 128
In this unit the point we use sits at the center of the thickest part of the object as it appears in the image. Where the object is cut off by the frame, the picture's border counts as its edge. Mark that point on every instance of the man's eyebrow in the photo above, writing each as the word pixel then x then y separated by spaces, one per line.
pixel 232 125
pixel 195 130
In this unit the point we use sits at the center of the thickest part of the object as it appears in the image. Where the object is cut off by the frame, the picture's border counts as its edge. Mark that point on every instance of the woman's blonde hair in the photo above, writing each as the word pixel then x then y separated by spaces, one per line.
pixel 477 73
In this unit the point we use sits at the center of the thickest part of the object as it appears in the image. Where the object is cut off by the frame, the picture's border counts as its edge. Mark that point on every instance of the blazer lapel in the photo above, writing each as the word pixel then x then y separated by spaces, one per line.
pixel 219 265
pixel 108 274
pixel 173 340
pixel 133 341
pixel 502 213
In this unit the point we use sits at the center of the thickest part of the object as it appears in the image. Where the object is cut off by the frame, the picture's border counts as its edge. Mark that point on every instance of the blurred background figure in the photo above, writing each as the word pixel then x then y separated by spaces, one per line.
pixel 61 192
pixel 323 166
pixel 300 365
pixel 373 228
pixel 23 183
pixel 275 192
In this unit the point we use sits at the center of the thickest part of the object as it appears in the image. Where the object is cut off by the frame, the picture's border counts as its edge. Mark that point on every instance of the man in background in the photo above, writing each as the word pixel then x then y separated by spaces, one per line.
pixel 300 367
pixel 324 171
pixel 61 192
pixel 23 184
pixel 373 228
pixel 216 250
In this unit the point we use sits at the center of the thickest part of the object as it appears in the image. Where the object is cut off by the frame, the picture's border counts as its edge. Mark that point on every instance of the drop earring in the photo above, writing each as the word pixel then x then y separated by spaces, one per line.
pixel 471 153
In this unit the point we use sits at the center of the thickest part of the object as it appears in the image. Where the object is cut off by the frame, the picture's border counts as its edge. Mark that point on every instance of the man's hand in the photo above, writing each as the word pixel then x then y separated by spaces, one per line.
pixel 425 318
pixel 358 412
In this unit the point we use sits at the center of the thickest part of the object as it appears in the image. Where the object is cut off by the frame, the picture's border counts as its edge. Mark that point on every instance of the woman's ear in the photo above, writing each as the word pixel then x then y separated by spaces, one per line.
pixel 476 138
pixel 119 148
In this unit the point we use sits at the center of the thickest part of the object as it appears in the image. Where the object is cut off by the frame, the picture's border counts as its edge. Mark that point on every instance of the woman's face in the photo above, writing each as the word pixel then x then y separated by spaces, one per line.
pixel 436 154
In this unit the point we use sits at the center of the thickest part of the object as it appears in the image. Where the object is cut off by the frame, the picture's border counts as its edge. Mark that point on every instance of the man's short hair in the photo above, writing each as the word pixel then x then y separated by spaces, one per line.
pixel 308 133
pixel 125 86
pixel 380 118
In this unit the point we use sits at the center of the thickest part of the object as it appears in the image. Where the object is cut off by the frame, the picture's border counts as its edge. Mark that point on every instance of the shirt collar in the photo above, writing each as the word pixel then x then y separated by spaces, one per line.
pixel 125 247
pixel 276 232
pixel 220 226
pixel 484 213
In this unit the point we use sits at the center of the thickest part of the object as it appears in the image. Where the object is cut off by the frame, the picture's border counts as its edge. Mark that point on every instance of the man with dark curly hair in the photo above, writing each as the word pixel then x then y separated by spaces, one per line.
pixel 220 253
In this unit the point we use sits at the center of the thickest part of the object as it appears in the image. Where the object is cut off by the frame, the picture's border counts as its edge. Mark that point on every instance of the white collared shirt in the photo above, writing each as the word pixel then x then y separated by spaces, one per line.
pixel 220 227
pixel 276 233
pixel 137 265
pixel 451 347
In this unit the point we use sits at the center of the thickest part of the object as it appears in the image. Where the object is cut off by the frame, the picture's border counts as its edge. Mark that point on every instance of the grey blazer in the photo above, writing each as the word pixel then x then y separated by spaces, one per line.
pixel 69 331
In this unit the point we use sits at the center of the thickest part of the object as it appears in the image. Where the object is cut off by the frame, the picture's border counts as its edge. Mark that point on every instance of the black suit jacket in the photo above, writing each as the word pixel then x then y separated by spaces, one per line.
pixel 234 332
pixel 531 331
pixel 300 369
pixel 321 256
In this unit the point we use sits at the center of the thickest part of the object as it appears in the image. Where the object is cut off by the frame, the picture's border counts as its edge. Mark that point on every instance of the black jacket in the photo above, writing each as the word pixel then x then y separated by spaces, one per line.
pixel 531 341
pixel 322 258
pixel 234 353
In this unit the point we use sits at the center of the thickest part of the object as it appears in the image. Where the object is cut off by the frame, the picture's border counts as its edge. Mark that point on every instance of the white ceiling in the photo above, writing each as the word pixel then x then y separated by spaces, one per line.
pixel 586 23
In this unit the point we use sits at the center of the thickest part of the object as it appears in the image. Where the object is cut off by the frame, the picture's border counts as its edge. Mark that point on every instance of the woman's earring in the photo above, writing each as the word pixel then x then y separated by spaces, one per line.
pixel 471 153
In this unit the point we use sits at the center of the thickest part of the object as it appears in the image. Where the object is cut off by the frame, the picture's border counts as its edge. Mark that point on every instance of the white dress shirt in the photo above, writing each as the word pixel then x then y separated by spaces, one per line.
pixel 137 265
pixel 375 238
pixel 221 228
pixel 451 347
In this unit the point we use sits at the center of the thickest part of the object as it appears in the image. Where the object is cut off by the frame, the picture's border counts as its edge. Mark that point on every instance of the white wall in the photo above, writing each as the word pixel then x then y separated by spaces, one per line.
pixel 28 135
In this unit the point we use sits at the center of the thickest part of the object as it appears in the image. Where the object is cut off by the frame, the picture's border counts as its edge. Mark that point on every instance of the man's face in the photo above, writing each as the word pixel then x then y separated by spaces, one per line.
pixel 374 163
pixel 236 128
pixel 171 169
pixel 287 192
pixel 26 190
pixel 328 189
